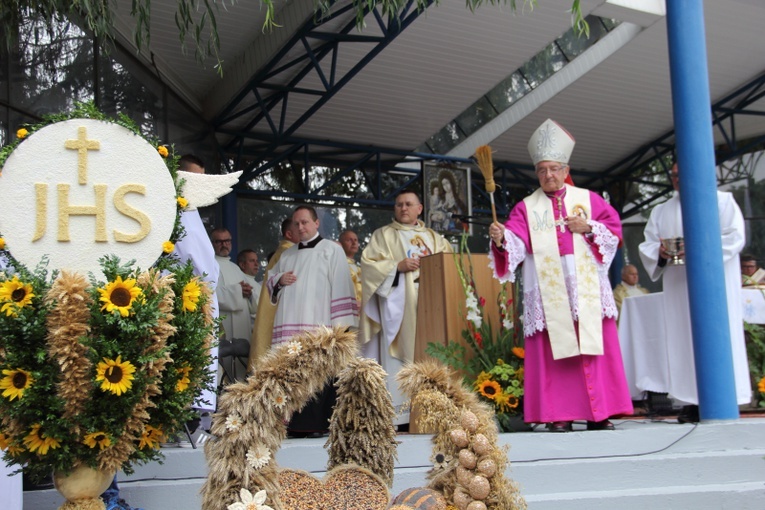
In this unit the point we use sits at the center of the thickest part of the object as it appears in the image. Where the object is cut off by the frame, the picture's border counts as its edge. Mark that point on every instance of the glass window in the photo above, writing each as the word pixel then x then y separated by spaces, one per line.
pixel 573 45
pixel 543 65
pixel 185 129
pixel 446 139
pixel 508 91
pixel 54 67
pixel 610 23
pixel 125 87
pixel 476 116
pixel 4 131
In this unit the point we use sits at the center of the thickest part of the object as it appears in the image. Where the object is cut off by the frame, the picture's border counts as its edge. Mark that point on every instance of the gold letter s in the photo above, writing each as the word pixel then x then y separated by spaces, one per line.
pixel 143 220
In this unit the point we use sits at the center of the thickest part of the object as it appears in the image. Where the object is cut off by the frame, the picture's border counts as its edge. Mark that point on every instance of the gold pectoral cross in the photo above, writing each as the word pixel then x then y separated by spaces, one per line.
pixel 561 223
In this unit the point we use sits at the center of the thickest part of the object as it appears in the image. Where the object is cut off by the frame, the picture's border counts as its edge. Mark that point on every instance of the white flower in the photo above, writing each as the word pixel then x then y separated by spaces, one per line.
pixel 250 502
pixel 294 347
pixel 471 302
pixel 507 323
pixel 474 317
pixel 258 457
pixel 233 422
pixel 279 400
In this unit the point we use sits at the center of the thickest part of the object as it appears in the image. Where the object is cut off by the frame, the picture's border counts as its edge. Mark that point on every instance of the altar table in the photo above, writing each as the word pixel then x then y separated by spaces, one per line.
pixel 643 340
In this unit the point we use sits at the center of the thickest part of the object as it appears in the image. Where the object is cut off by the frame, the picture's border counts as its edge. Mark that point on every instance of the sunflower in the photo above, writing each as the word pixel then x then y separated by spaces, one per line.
pixel 184 381
pixel 7 445
pixel 761 385
pixel 119 295
pixel 40 442
pixel 115 374
pixel 150 438
pixel 519 352
pixel 190 294
pixel 15 382
pixel 15 294
pixel 168 247
pixel 506 401
pixel 182 202
pixel 99 439
pixel 489 389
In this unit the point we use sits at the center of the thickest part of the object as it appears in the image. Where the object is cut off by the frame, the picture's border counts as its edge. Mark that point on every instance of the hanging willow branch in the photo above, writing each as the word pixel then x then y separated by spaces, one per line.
pixel 196 18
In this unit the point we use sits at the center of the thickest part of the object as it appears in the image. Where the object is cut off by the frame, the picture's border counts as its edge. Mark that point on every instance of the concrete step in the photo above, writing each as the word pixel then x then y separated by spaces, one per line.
pixel 662 465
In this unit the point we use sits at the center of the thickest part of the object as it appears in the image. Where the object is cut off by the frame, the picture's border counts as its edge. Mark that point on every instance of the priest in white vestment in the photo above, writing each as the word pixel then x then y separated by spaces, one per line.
pixel 262 331
pixel 247 260
pixel 628 287
pixel 312 287
pixel 751 274
pixel 232 289
pixel 666 221
pixel 390 279
pixel 350 244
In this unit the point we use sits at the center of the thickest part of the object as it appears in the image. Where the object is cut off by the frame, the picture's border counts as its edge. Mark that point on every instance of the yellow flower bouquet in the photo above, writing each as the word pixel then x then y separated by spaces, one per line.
pixel 96 373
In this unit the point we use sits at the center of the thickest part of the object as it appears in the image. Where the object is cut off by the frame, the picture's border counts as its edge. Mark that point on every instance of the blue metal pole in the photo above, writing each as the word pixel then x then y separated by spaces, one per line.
pixel 698 198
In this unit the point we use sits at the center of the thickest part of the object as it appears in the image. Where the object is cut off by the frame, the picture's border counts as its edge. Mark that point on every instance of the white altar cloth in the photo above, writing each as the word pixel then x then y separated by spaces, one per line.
pixel 643 339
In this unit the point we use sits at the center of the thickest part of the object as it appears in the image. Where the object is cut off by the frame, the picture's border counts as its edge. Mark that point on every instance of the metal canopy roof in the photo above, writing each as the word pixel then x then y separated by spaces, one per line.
pixel 393 89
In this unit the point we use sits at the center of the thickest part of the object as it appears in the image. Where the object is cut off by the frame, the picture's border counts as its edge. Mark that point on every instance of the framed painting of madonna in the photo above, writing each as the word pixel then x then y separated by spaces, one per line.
pixel 446 197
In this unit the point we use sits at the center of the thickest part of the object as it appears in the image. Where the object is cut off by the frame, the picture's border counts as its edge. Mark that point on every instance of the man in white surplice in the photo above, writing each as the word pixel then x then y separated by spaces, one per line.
pixel 665 222
pixel 232 289
pixel 390 269
pixel 312 287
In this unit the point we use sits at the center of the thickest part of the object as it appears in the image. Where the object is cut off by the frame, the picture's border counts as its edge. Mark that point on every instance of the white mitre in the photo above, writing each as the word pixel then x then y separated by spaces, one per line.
pixel 205 189
pixel 551 142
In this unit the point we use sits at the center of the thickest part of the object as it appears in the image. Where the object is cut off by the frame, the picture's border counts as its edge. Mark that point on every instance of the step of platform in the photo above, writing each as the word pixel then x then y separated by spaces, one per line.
pixel 642 464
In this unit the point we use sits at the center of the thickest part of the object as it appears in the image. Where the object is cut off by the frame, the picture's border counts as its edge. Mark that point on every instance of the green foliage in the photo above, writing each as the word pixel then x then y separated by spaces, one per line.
pixel 755 350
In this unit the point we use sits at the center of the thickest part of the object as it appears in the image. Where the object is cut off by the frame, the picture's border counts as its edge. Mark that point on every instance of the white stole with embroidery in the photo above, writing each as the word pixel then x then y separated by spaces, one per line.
pixel 552 281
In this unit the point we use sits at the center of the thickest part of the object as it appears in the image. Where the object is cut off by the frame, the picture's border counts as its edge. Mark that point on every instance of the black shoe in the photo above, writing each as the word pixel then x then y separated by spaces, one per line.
pixel 689 414
pixel 600 425
pixel 559 426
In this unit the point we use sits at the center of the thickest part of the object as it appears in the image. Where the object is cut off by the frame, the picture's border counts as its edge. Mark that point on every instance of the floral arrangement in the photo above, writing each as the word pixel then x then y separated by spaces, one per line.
pixel 97 373
pixel 494 366
pixel 755 350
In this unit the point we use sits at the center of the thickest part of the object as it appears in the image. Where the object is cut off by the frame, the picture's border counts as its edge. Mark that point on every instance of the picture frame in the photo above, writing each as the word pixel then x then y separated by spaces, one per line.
pixel 446 198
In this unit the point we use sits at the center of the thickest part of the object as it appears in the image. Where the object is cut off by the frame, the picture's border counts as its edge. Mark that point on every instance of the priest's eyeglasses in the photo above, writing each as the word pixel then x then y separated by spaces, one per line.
pixel 555 170
pixel 222 241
